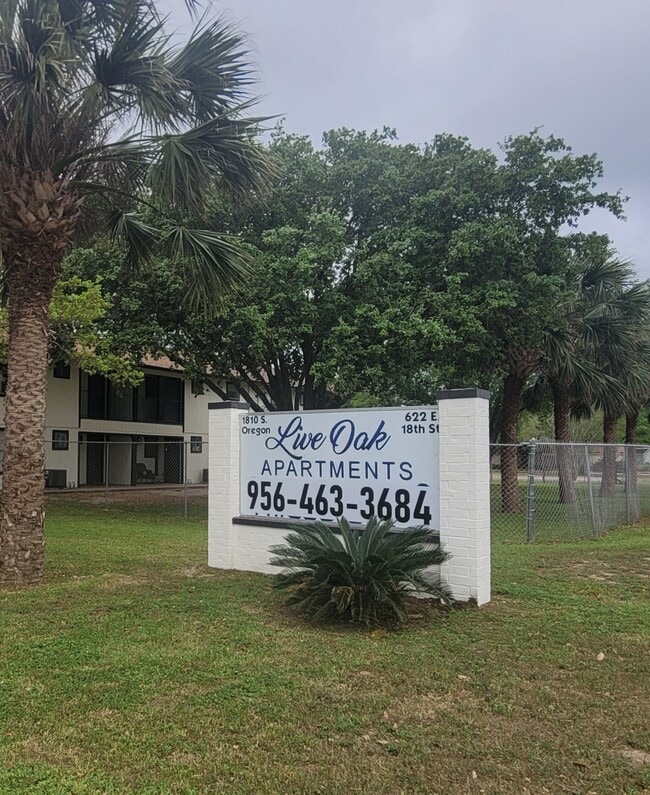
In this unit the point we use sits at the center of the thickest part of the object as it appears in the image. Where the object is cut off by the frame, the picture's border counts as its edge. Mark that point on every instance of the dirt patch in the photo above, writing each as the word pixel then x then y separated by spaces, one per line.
pixel 636 757
pixel 155 496
pixel 427 707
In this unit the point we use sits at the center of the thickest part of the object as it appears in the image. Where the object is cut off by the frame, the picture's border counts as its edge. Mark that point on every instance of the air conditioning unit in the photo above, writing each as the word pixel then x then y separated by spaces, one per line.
pixel 56 478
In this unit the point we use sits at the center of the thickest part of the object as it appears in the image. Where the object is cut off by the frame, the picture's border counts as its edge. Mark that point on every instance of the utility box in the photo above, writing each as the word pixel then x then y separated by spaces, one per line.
pixel 56 478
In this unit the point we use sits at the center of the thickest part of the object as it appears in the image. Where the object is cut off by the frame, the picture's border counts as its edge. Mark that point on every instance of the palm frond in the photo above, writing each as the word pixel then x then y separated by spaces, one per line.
pixel 139 238
pixel 221 152
pixel 75 72
pixel 364 574
pixel 212 69
pixel 214 264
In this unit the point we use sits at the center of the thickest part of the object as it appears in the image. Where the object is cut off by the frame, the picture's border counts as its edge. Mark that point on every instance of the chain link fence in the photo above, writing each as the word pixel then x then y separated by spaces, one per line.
pixel 156 474
pixel 540 490
pixel 549 491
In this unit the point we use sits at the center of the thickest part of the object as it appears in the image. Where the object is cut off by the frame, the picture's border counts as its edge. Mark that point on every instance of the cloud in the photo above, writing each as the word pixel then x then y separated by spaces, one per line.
pixel 481 68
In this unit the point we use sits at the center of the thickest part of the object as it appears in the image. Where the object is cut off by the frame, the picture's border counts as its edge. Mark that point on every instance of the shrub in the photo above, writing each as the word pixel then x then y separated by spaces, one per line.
pixel 362 575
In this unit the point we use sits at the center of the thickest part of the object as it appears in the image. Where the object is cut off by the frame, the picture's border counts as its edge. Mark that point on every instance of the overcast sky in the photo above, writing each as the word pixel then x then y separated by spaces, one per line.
pixel 485 69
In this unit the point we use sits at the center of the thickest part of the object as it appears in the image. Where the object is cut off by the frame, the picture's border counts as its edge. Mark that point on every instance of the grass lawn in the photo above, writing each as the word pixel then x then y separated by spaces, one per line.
pixel 135 669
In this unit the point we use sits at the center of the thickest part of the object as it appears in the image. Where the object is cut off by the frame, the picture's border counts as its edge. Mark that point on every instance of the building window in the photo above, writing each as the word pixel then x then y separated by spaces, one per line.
pixel 60 440
pixel 159 400
pixel 61 370
pixel 232 393
pixel 196 444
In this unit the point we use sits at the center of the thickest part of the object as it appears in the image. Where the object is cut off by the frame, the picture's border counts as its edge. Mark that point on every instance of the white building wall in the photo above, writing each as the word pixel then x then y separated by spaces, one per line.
pixel 62 414
pixel 119 461
pixel 62 401
pixel 63 395
pixel 196 425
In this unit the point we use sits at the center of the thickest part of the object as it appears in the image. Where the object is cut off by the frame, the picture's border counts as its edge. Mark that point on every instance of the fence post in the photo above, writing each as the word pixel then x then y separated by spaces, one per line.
pixel 184 451
pixel 627 472
pixel 530 507
pixel 106 464
pixel 590 488
pixel 631 482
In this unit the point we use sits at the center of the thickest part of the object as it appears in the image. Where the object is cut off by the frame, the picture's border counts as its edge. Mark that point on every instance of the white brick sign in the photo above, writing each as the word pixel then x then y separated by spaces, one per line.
pixel 425 465
pixel 352 463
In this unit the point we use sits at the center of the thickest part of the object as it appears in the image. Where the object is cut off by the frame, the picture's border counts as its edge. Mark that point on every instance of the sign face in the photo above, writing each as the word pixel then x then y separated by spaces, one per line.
pixel 355 463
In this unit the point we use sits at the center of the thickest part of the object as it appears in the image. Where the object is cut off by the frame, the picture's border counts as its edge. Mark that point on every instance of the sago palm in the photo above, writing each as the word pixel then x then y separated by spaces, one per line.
pixel 363 574
pixel 102 118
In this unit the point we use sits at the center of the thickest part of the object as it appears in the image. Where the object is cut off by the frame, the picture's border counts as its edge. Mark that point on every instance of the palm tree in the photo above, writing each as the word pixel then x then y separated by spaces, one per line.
pixel 602 324
pixel 631 369
pixel 102 121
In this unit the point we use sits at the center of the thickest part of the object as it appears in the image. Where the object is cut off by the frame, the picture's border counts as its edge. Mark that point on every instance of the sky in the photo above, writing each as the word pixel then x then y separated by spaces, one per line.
pixel 485 69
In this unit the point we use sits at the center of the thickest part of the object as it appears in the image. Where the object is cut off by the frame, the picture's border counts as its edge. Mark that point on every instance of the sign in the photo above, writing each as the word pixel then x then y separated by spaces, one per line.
pixel 352 463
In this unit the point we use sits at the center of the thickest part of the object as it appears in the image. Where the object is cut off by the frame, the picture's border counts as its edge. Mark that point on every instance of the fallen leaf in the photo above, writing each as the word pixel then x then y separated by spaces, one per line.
pixel 600 657
pixel 474 775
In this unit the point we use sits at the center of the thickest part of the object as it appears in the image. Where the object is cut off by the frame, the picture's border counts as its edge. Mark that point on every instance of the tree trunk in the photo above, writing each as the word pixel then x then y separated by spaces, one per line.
pixel 608 483
pixel 29 290
pixel 510 496
pixel 632 468
pixel 561 416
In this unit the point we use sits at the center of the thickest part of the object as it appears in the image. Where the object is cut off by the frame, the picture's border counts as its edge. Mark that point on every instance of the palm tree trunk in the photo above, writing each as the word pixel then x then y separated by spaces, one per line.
pixel 510 496
pixel 608 482
pixel 631 422
pixel 561 416
pixel 29 290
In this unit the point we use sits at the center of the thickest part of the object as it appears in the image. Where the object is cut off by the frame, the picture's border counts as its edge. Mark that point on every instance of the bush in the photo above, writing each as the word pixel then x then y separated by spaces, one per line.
pixel 362 575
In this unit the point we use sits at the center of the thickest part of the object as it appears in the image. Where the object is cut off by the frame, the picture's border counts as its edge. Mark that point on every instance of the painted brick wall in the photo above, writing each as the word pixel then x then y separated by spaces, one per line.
pixel 465 495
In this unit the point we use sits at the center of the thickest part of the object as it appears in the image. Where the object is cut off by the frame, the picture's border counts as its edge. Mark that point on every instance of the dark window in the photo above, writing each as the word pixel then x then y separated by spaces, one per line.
pixel 60 440
pixel 232 393
pixel 61 370
pixel 94 397
pixel 196 444
pixel 3 380
pixel 119 402
pixel 171 400
pixel 159 400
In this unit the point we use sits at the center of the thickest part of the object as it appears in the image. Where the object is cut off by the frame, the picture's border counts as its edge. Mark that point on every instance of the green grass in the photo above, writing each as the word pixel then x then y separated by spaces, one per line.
pixel 135 669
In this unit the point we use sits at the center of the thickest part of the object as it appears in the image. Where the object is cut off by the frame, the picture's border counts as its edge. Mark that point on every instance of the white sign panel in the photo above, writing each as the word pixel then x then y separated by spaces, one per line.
pixel 352 463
